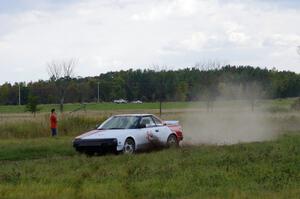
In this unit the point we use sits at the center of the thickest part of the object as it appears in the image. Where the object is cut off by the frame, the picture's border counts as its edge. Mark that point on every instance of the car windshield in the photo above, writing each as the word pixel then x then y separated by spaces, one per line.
pixel 120 122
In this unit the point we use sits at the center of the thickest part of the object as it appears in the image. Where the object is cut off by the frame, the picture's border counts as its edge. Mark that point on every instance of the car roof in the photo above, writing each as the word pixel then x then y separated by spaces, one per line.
pixel 135 115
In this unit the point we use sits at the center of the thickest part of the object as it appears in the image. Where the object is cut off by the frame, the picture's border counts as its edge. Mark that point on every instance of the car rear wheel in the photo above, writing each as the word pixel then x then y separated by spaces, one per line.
pixel 172 141
pixel 129 146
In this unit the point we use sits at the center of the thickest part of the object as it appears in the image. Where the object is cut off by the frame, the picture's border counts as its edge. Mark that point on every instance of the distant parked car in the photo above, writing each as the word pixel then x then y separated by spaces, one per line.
pixel 120 101
pixel 129 133
pixel 137 102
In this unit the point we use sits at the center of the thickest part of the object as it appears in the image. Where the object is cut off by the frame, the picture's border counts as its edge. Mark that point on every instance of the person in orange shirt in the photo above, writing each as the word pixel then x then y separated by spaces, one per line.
pixel 53 122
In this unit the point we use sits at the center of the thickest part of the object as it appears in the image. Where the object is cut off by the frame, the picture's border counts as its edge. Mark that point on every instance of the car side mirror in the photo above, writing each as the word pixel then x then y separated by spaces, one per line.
pixel 141 126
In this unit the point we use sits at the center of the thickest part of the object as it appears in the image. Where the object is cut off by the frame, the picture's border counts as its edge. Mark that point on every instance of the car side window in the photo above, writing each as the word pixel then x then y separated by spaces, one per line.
pixel 148 121
pixel 157 121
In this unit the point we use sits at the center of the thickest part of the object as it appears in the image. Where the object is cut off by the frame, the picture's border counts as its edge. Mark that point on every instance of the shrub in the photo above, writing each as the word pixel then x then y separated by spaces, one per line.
pixel 32 105
pixel 296 105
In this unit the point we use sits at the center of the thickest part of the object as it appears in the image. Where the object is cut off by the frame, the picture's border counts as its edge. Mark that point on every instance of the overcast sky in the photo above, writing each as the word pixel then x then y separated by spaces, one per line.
pixel 106 35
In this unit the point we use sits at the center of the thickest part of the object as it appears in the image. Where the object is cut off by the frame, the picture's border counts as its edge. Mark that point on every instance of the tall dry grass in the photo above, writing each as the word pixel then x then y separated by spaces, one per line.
pixel 28 126
pixel 25 125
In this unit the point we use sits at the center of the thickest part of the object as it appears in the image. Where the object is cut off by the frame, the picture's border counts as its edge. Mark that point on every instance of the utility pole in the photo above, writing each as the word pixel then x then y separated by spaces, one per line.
pixel 19 94
pixel 160 102
pixel 98 92
pixel 160 97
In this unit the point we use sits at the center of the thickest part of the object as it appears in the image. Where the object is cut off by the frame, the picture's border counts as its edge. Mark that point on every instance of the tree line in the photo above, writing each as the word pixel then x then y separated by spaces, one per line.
pixel 189 84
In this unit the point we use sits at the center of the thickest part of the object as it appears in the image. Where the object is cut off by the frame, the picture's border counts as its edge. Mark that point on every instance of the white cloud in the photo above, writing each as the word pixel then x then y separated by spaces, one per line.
pixel 285 41
pixel 197 40
pixel 110 35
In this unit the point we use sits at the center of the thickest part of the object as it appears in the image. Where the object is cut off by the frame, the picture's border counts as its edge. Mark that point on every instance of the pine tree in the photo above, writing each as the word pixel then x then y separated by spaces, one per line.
pixel 32 105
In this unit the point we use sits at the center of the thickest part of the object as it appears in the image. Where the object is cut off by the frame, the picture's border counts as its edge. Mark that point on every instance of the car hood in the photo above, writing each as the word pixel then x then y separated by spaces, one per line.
pixel 99 134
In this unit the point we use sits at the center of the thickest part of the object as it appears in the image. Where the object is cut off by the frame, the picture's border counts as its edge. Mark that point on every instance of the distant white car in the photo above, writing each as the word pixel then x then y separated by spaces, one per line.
pixel 137 102
pixel 129 133
pixel 120 101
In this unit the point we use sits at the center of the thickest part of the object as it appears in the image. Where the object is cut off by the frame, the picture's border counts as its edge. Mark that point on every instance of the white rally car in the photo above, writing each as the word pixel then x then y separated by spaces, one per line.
pixel 129 133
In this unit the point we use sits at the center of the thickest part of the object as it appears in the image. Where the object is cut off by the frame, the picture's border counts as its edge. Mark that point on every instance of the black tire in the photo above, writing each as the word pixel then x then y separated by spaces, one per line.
pixel 129 146
pixel 172 141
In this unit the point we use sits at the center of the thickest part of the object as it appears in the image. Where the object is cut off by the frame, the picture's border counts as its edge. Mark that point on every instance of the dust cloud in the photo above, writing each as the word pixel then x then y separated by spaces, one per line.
pixel 229 123
pixel 226 127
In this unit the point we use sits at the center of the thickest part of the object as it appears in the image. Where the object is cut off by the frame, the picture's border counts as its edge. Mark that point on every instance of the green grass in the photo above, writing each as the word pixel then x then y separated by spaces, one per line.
pixel 49 168
pixel 278 104
pixel 99 107
pixel 32 165
pixel 28 149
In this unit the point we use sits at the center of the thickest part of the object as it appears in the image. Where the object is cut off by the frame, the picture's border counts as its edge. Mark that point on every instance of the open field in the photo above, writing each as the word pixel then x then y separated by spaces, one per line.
pixel 33 165
pixel 105 106
pixel 49 168
pixel 282 104
pixel 276 114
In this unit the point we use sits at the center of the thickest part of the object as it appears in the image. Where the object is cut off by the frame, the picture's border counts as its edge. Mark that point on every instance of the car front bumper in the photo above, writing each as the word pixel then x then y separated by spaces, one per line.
pixel 95 145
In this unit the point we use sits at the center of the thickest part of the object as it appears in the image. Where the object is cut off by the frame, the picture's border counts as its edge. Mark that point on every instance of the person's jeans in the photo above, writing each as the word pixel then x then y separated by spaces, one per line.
pixel 54 131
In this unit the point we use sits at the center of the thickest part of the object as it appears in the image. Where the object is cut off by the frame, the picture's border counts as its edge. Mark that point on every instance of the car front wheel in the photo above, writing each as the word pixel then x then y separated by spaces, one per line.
pixel 129 146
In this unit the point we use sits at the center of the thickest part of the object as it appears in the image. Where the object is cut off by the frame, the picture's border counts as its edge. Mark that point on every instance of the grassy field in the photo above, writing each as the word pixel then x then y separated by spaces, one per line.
pixel 49 168
pixel 106 106
pixel 281 104
pixel 34 165
pixel 28 126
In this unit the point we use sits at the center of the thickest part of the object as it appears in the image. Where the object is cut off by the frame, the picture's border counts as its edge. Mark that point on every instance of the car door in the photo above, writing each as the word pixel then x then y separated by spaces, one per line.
pixel 140 135
pixel 148 131
pixel 161 131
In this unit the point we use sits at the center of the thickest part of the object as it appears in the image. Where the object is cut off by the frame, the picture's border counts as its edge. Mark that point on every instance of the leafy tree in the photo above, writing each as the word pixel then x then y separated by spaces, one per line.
pixel 206 82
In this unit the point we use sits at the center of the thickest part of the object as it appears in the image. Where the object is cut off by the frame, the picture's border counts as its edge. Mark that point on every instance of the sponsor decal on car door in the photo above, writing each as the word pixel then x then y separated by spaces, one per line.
pixel 149 129
pixel 161 131
pixel 141 138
